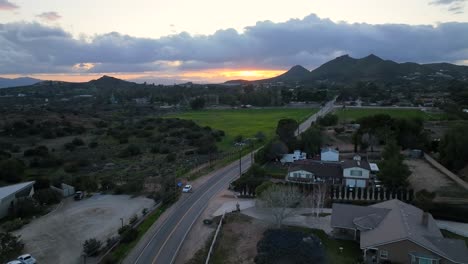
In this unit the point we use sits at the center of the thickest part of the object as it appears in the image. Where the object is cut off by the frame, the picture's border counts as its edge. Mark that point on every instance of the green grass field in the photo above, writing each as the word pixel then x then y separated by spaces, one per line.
pixel 245 122
pixel 354 114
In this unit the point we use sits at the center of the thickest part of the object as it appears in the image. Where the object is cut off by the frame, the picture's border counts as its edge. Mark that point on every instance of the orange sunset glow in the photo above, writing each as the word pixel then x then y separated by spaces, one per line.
pixel 208 76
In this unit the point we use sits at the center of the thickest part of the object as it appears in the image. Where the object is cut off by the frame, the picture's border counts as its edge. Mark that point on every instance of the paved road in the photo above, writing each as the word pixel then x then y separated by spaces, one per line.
pixel 327 108
pixel 166 241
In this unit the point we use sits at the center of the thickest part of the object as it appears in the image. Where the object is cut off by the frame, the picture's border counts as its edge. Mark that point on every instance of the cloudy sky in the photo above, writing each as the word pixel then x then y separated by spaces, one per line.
pixel 216 40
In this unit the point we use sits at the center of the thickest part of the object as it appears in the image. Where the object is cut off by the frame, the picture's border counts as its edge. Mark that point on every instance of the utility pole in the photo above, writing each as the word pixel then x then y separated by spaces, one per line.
pixel 240 161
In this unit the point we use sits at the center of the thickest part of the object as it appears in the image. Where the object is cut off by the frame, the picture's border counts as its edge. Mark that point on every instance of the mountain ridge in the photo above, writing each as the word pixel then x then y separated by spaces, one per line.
pixel 15 82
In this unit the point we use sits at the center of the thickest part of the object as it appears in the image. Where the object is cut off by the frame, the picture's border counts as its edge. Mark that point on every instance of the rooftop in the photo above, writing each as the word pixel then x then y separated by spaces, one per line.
pixel 11 189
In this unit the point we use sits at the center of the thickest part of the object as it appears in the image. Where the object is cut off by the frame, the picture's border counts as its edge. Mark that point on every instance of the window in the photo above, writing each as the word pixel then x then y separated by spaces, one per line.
pixel 356 173
pixel 383 254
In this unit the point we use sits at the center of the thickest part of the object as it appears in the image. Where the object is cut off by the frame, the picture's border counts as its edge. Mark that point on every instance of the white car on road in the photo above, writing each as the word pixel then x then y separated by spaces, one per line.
pixel 187 188
pixel 27 259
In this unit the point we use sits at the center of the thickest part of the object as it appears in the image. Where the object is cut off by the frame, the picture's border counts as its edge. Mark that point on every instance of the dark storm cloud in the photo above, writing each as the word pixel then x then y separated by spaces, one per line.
pixel 34 48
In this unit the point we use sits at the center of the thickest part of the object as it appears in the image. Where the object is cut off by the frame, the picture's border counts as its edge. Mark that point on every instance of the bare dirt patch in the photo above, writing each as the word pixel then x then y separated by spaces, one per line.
pixel 424 176
pixel 58 237
pixel 238 239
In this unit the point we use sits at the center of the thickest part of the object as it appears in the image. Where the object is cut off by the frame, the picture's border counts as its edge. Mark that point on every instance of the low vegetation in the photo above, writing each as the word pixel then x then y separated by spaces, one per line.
pixel 245 122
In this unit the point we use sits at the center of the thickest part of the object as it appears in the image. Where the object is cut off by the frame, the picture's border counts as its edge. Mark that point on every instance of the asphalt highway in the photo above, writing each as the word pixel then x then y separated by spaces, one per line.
pixel 166 241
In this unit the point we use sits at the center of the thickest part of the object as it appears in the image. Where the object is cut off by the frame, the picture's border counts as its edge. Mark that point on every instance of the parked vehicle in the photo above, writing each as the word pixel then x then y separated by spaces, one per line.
pixel 15 262
pixel 79 195
pixel 27 259
pixel 187 188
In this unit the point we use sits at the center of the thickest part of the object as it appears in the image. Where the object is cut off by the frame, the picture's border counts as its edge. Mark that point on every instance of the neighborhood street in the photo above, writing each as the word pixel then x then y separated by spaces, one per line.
pixel 161 245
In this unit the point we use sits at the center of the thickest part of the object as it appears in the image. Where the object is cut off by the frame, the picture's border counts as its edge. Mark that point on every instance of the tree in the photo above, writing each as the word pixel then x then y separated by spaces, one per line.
pixel 197 103
pixel 260 136
pixel 328 120
pixel 393 172
pixel 286 130
pixel 91 247
pixel 311 141
pixel 281 200
pixel 454 148
pixel 316 200
pixel 11 170
pixel 10 247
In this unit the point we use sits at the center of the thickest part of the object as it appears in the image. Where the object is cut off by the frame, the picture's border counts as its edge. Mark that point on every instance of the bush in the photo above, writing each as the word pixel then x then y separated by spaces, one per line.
pixel 328 120
pixel 10 247
pixel 11 170
pixel 71 167
pixel 69 146
pixel 289 246
pixel 91 247
pixel 133 219
pixel 129 235
pixel 78 142
pixel 26 207
pixel 129 151
pixel 40 151
pixel 93 145
pixel 14 224
pixel 47 196
pixel 171 157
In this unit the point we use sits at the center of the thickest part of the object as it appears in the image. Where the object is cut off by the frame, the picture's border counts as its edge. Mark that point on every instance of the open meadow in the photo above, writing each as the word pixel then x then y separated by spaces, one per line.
pixel 245 122
pixel 354 114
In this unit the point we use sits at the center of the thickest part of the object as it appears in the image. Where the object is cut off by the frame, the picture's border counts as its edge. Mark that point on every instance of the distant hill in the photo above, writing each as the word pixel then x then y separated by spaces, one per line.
pixel 346 69
pixel 22 81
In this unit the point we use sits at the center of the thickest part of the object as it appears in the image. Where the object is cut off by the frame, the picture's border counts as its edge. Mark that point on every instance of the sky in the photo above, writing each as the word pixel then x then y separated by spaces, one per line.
pixel 217 40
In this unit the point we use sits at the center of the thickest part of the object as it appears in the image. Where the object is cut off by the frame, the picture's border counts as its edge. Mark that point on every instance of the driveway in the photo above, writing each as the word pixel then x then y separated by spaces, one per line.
pixel 59 236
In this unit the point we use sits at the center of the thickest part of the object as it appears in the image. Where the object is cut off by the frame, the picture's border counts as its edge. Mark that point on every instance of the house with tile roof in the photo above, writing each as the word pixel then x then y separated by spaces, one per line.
pixel 396 232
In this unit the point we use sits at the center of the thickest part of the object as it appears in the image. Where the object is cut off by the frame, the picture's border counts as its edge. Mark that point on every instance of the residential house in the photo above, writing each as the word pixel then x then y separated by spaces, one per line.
pixel 10 194
pixel 329 154
pixel 396 232
pixel 314 171
pixel 356 173
pixel 290 158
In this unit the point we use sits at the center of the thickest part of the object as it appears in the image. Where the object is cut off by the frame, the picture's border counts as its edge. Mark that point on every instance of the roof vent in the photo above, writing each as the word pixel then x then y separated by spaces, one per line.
pixel 425 219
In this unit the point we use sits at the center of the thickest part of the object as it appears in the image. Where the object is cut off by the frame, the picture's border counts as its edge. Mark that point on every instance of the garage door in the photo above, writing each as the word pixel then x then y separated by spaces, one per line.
pixel 360 183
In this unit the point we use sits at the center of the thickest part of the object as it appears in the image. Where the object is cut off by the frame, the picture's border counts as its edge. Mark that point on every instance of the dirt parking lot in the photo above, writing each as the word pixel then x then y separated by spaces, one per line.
pixel 58 237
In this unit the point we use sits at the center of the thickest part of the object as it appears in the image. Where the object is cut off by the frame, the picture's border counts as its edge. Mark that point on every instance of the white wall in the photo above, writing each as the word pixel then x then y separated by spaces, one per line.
pixel 301 173
pixel 330 156
pixel 364 173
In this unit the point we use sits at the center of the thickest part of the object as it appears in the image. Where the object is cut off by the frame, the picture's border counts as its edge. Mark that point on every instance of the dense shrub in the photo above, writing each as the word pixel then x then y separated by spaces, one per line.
pixel 26 207
pixel 10 247
pixel 129 235
pixel 11 170
pixel 129 151
pixel 14 224
pixel 91 247
pixel 289 246
pixel 93 145
pixel 47 196
pixel 40 151
pixel 78 142
pixel 328 120
pixel 171 157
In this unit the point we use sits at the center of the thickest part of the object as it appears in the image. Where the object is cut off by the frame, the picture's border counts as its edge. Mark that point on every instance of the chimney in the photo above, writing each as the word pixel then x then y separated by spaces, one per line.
pixel 425 219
